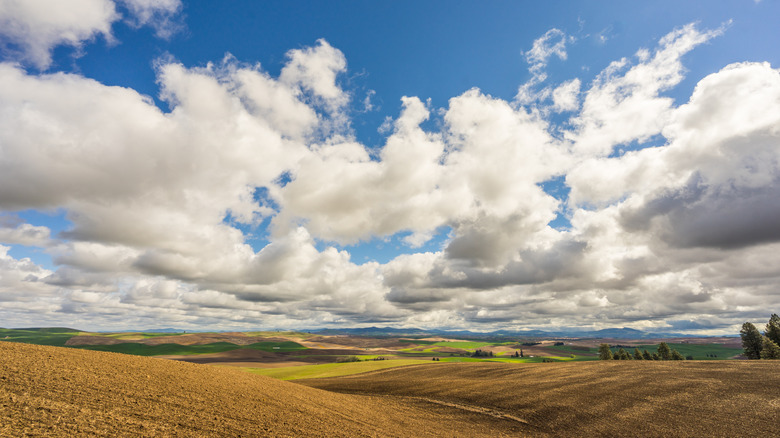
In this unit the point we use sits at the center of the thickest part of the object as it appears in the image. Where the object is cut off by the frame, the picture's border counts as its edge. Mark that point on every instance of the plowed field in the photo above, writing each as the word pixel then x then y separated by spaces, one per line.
pixel 60 392
pixel 696 398
pixel 52 391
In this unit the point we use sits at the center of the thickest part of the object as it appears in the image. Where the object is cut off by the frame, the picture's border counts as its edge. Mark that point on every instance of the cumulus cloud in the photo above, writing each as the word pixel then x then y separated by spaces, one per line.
pixel 623 104
pixel 31 29
pixel 160 201
pixel 24 234
pixel 34 27
pixel 565 96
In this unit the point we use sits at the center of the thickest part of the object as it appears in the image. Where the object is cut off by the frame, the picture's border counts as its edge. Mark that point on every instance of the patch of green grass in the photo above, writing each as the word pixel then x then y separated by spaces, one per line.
pixel 333 369
pixel 56 336
pixel 178 349
pixel 574 349
pixel 417 342
pixel 465 345
pixel 698 351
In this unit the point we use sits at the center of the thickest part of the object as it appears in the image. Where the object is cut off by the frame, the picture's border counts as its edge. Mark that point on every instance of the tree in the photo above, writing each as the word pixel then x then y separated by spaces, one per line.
pixel 656 356
pixel 773 329
pixel 770 350
pixel 637 354
pixel 521 352
pixel 751 341
pixel 664 351
pixel 604 352
pixel 646 355
pixel 676 355
pixel 621 353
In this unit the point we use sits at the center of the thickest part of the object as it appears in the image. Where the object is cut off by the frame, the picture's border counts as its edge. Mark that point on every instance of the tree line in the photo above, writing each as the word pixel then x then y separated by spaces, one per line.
pixel 663 352
pixel 758 346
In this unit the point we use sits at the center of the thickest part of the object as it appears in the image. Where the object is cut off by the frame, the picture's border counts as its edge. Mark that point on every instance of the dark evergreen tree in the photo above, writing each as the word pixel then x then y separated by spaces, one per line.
pixel 605 353
pixel 646 355
pixel 770 349
pixel 637 354
pixel 656 356
pixel 622 354
pixel 752 341
pixel 773 329
pixel 676 355
pixel 664 351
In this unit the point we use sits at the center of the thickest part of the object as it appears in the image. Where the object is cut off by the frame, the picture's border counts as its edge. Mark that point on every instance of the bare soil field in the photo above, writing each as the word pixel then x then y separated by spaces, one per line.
pixel 257 358
pixel 53 391
pixel 186 339
pixel 61 392
pixel 691 398
pixel 354 341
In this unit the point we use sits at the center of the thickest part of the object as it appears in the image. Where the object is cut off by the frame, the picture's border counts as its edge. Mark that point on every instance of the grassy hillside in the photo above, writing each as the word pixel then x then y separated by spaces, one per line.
pixel 178 349
pixel 56 336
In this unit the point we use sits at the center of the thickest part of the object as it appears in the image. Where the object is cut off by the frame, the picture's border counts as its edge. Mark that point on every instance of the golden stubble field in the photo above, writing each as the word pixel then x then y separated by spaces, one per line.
pixel 51 391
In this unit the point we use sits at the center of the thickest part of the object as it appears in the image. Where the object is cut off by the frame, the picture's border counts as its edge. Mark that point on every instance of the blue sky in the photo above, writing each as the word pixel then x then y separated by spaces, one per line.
pixel 439 164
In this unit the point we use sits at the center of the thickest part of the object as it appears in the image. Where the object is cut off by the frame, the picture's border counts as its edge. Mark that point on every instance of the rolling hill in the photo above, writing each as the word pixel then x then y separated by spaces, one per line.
pixel 615 398
pixel 55 391
pixel 60 392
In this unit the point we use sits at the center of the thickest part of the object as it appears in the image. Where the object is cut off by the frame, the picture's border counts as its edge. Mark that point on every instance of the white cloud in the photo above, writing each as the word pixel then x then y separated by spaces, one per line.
pixel 35 27
pixel 31 29
pixel 160 14
pixel 675 232
pixel 566 96
pixel 624 105
pixel 25 234
pixel 552 43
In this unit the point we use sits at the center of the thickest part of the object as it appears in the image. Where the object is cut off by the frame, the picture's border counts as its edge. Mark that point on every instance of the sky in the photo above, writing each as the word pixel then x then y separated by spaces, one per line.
pixel 453 165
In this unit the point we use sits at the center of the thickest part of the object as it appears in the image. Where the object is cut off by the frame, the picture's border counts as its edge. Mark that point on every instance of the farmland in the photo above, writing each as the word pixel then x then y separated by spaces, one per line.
pixel 724 398
pixel 300 355
pixel 55 391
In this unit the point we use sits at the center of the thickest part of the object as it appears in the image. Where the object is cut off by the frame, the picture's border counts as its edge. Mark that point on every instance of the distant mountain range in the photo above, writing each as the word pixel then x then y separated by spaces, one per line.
pixel 613 333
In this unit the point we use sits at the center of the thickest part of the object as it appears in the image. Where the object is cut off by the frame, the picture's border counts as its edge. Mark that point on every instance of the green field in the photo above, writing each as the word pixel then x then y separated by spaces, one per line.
pixel 177 349
pixel 468 345
pixel 56 336
pixel 698 351
pixel 334 369
pixel 417 342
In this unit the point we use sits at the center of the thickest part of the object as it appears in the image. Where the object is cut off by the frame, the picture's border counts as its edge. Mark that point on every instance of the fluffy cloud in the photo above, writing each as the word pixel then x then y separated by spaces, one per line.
pixel 162 202
pixel 160 14
pixel 31 29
